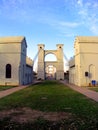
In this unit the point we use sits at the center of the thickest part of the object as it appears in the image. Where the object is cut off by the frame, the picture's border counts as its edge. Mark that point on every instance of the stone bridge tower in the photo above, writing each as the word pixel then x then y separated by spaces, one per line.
pixel 41 68
pixel 59 64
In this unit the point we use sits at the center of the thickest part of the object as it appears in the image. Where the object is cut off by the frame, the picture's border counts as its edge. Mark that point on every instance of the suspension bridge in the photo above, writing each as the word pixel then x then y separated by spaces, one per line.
pixel 53 69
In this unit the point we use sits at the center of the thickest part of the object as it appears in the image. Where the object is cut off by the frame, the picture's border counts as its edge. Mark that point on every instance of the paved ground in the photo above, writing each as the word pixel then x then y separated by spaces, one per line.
pixel 85 91
pixel 14 89
pixel 10 91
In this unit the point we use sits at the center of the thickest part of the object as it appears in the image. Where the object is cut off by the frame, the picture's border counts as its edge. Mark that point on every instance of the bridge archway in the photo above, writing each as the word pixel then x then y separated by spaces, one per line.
pixel 50 65
pixel 58 64
pixel 50 72
pixel 50 57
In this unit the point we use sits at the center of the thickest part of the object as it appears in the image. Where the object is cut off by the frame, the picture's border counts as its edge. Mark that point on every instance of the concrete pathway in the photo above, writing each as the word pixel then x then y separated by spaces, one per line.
pixel 10 91
pixel 85 91
pixel 15 89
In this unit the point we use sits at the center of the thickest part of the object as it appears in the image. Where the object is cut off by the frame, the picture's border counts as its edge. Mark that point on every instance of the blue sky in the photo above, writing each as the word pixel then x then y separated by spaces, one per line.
pixel 49 22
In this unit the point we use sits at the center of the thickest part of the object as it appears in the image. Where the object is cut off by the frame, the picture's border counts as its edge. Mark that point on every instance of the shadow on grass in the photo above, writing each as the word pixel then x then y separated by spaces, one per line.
pixel 41 124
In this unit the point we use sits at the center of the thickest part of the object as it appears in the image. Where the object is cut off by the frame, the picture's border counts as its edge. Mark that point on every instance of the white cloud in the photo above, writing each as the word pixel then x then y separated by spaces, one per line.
pixel 88 13
pixel 17 9
pixel 80 2
pixel 83 13
pixel 33 10
pixel 95 5
pixel 69 24
pixel 67 34
pixel 94 29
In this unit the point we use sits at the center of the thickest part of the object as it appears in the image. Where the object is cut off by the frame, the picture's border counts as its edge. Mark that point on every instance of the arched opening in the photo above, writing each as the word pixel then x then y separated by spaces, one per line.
pixel 50 72
pixel 50 57
pixel 8 71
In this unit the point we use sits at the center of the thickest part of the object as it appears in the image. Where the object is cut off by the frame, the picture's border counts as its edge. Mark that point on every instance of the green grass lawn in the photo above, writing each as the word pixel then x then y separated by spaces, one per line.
pixel 52 96
pixel 5 87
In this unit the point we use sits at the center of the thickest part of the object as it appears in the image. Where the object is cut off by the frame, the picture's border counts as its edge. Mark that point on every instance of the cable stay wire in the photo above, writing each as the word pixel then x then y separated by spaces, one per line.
pixel 36 56
pixel 65 57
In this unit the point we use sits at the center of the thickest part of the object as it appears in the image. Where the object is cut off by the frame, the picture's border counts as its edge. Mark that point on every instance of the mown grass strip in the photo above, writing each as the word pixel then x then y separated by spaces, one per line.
pixel 6 87
pixel 94 88
pixel 54 96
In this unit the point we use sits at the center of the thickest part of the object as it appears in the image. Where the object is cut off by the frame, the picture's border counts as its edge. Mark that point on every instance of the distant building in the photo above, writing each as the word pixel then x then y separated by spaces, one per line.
pixel 83 67
pixel 15 66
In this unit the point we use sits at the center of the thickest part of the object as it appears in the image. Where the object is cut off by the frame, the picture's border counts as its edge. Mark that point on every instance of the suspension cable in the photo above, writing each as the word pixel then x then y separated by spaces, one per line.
pixel 36 56
pixel 65 57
